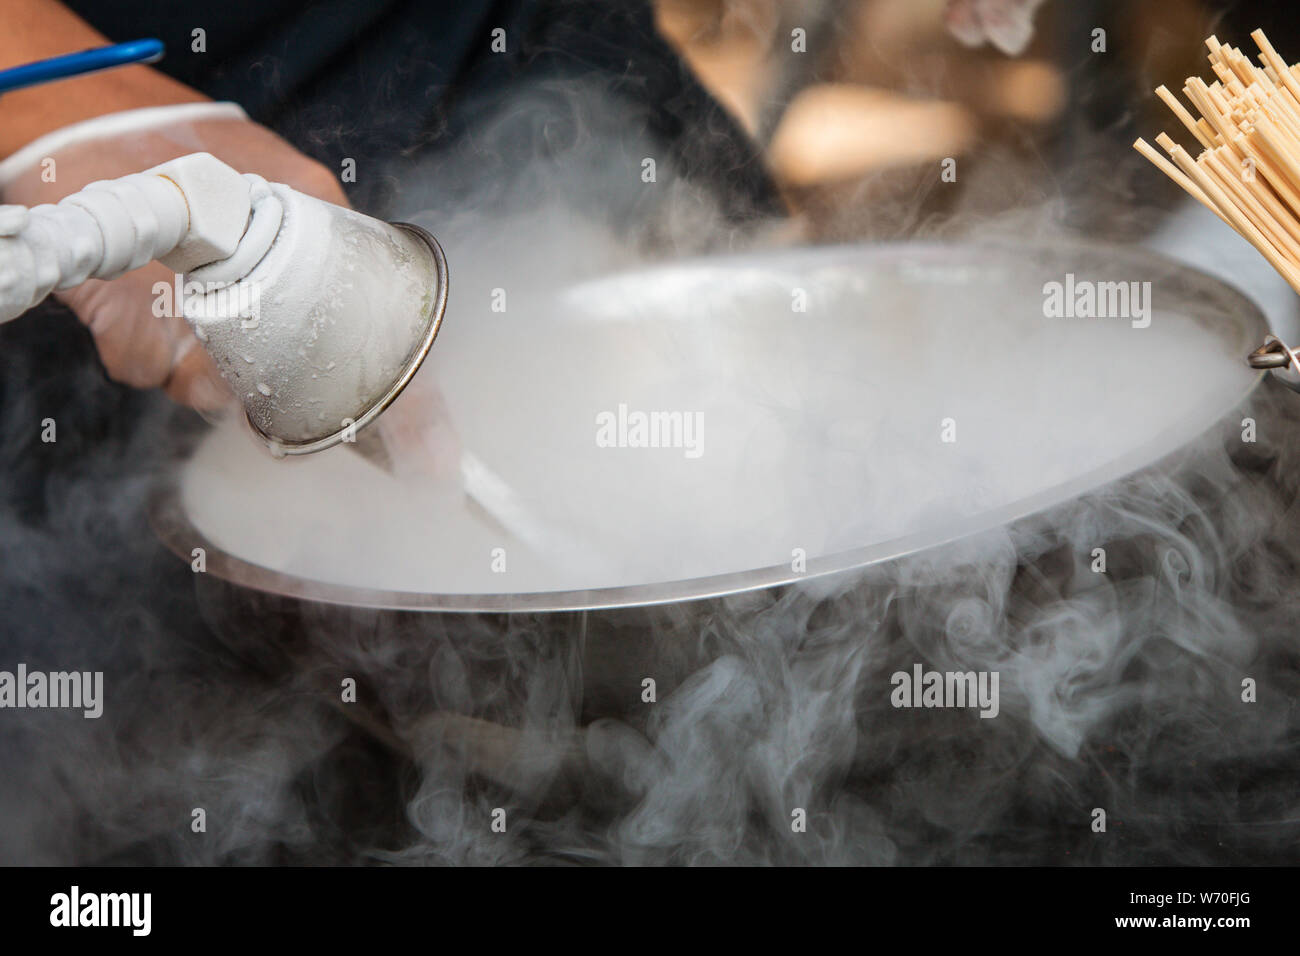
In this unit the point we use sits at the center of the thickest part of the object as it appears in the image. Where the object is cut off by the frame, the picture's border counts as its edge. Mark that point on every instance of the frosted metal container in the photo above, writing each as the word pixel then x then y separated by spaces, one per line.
pixel 328 328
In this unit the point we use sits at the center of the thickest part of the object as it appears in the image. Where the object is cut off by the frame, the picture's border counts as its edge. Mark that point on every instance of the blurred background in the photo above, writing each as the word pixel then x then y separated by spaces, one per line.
pixel 854 130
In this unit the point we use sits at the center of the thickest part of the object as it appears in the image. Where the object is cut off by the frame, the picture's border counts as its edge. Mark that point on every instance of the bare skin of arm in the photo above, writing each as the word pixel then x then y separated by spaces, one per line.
pixel 36 29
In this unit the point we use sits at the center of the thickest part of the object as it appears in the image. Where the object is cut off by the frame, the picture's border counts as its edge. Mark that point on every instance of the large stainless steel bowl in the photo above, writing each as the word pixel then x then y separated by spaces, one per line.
pixel 632 335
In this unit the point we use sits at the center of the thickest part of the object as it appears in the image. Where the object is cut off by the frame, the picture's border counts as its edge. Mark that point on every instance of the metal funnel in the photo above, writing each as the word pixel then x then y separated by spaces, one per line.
pixel 328 327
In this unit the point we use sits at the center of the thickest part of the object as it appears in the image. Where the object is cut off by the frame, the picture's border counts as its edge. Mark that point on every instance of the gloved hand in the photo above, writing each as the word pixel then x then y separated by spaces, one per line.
pixel 1007 24
pixel 137 345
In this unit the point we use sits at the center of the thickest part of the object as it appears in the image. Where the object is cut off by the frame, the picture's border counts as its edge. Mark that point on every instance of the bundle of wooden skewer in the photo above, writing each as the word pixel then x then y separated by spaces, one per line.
pixel 1248 172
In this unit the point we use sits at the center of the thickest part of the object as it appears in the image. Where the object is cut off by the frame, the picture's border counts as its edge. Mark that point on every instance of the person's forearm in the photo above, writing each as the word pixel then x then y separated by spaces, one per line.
pixel 36 29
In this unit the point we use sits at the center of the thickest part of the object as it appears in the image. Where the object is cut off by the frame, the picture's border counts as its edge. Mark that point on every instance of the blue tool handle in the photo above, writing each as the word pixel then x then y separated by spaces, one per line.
pixel 74 64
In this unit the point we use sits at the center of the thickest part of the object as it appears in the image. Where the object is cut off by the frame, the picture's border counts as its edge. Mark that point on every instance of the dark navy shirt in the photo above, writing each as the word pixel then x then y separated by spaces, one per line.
pixel 379 79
